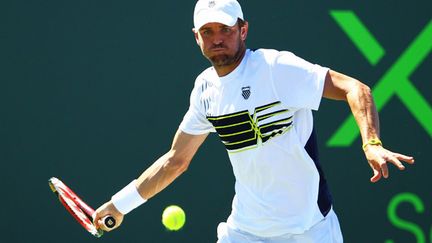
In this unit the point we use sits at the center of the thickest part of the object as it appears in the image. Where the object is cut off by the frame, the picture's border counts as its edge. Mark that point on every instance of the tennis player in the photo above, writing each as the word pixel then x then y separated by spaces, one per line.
pixel 260 103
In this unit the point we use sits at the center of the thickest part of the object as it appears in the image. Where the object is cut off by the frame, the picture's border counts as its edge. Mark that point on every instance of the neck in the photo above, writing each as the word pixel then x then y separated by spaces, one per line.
pixel 226 69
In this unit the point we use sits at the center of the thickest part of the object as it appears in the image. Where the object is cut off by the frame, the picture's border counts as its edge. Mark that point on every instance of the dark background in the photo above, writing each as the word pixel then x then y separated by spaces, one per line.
pixel 93 91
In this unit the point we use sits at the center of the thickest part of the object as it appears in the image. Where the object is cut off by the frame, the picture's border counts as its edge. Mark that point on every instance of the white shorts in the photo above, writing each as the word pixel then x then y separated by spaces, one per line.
pixel 325 231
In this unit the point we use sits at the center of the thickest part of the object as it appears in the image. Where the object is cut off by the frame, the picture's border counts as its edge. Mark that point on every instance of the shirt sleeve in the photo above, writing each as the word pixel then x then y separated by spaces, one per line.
pixel 298 83
pixel 194 121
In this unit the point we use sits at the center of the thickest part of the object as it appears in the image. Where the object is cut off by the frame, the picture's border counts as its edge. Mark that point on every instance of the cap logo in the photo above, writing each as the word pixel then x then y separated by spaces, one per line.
pixel 211 4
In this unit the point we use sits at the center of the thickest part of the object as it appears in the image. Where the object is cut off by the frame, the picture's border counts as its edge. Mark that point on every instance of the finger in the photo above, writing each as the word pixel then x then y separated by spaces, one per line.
pixel 96 219
pixel 103 226
pixel 376 175
pixel 408 159
pixel 384 170
pixel 396 162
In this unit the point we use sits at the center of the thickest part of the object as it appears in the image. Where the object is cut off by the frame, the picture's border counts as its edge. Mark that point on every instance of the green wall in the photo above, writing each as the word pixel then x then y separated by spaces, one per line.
pixel 93 91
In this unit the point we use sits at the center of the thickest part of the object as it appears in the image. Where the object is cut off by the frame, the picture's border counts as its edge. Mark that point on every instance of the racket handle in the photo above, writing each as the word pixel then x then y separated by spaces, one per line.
pixel 109 221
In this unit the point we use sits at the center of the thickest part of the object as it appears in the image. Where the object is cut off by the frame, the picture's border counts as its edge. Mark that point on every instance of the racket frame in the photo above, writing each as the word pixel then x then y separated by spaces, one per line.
pixel 75 206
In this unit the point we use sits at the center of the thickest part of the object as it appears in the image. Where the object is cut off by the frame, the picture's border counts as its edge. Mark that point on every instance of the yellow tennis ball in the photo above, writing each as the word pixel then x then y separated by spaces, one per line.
pixel 173 217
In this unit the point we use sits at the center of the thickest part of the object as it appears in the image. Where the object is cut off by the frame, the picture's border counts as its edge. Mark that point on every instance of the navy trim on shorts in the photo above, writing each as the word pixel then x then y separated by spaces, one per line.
pixel 324 197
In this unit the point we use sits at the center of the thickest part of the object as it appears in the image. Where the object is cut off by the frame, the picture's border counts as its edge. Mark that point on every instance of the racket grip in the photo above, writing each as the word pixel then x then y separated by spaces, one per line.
pixel 109 221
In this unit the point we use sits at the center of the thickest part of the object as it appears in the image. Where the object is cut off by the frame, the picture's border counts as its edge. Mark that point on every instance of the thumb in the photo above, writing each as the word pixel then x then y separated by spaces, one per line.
pixel 96 219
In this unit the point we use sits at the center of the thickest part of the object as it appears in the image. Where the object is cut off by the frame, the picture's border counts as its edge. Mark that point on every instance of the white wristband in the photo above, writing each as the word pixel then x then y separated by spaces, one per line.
pixel 127 199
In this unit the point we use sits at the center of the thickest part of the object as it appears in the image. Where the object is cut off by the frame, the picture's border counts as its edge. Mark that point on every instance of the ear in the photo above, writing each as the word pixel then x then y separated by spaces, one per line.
pixel 196 36
pixel 244 31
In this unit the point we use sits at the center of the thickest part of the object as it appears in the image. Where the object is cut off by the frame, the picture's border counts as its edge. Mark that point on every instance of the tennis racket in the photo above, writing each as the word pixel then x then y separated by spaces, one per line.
pixel 77 208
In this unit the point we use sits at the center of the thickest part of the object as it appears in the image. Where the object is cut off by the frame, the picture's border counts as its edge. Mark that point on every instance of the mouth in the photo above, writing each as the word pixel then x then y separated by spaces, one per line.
pixel 218 49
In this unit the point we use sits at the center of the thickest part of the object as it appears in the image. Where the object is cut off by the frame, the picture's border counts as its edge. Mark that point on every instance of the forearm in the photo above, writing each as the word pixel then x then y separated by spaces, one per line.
pixel 153 180
pixel 159 175
pixel 363 108
pixel 339 86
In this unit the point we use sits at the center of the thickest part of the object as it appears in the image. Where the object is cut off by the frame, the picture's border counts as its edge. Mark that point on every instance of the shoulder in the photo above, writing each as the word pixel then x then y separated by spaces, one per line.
pixel 205 80
pixel 270 56
pixel 205 76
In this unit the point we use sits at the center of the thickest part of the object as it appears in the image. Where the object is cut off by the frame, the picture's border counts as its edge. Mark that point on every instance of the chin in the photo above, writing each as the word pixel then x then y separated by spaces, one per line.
pixel 221 59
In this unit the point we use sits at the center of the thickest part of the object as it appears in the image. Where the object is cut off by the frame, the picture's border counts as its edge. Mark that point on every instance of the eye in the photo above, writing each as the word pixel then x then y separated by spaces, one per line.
pixel 226 30
pixel 206 32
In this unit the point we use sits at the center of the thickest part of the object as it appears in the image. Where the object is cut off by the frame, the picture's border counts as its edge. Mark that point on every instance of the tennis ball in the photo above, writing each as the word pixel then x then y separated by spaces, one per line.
pixel 173 217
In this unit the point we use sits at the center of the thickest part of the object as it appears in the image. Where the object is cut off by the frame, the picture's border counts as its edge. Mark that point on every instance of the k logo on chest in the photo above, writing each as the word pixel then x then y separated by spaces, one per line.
pixel 246 92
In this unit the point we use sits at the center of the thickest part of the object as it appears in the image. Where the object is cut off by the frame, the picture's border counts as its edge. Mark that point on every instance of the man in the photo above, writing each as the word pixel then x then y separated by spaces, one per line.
pixel 260 102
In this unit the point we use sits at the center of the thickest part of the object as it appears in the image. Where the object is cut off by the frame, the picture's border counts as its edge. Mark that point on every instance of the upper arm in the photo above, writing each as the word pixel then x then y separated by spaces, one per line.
pixel 338 85
pixel 297 82
pixel 185 146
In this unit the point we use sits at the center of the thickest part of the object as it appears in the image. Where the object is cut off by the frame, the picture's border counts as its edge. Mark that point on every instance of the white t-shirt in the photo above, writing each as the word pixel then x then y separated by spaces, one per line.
pixel 262 113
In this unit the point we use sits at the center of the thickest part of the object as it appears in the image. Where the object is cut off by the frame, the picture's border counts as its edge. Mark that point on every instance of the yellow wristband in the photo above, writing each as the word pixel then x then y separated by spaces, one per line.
pixel 372 141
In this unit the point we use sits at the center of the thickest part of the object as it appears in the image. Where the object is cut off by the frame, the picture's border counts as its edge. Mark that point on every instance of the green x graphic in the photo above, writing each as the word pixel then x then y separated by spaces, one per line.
pixel 395 80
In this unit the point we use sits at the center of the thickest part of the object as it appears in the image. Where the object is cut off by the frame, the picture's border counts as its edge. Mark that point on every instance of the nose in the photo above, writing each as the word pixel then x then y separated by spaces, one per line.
pixel 217 39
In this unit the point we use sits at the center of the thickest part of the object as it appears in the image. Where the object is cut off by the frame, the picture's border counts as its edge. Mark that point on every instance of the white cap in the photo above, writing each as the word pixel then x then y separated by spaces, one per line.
pixel 217 11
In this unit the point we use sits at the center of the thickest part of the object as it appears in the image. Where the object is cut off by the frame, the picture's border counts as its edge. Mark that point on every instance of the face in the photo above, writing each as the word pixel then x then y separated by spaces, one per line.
pixel 222 45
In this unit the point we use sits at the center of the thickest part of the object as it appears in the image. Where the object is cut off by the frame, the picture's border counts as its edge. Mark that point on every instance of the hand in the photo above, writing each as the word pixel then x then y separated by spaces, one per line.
pixel 105 210
pixel 378 157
